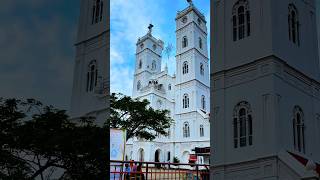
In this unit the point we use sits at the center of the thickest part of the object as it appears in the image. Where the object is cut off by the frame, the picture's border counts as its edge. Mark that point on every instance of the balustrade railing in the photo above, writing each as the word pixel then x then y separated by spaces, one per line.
pixel 128 170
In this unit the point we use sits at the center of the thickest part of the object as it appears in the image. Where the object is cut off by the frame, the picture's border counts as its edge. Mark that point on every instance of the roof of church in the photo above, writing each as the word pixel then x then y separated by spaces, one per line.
pixel 189 9
pixel 149 36
pixel 305 161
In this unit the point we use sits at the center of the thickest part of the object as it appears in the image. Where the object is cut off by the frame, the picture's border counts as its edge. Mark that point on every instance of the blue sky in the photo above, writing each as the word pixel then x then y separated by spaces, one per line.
pixel 129 21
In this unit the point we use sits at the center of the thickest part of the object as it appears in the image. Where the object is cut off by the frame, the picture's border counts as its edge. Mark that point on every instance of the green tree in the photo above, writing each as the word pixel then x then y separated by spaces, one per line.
pixel 11 167
pixel 39 141
pixel 137 117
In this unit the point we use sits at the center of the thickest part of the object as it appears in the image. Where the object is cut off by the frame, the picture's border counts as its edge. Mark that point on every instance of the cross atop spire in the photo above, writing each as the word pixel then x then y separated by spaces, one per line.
pixel 190 2
pixel 150 28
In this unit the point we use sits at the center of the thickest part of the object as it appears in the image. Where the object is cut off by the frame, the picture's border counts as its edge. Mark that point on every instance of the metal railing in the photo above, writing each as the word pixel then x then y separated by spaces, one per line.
pixel 128 170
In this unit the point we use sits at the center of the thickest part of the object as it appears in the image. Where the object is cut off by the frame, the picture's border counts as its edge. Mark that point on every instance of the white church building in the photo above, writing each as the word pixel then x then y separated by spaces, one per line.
pixel 91 78
pixel 265 90
pixel 186 94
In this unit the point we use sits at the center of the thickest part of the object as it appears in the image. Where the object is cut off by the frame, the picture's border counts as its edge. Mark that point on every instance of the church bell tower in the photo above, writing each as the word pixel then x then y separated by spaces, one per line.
pixel 192 79
pixel 265 90
pixel 148 60
pixel 90 79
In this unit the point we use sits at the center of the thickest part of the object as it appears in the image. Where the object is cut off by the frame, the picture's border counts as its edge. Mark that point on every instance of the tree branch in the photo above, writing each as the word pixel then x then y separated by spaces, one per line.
pixel 39 164
pixel 46 166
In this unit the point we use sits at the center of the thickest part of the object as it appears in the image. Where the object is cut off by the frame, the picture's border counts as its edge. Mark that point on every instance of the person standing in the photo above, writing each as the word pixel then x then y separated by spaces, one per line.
pixel 140 175
pixel 131 163
pixel 127 172
pixel 134 170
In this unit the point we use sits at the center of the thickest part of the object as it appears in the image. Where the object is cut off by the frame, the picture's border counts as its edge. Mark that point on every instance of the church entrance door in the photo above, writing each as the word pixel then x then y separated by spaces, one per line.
pixel 157 158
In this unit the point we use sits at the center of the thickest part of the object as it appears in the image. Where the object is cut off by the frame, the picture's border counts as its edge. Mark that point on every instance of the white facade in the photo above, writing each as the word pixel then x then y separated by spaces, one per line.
pixel 168 92
pixel 91 80
pixel 265 90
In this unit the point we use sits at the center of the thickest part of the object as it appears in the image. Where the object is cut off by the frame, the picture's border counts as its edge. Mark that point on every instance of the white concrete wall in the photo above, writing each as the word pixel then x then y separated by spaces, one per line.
pixel 91 45
pixel 272 75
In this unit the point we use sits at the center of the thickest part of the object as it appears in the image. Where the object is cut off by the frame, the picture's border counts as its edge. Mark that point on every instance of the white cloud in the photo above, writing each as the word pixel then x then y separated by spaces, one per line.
pixel 129 21
pixel 115 57
pixel 121 79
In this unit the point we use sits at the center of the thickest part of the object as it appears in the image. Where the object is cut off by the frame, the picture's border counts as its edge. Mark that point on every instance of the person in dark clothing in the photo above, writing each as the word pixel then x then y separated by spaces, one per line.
pixel 140 175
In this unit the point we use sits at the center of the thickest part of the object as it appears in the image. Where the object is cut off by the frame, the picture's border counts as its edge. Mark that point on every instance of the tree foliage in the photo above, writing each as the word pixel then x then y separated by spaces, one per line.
pixel 39 141
pixel 137 117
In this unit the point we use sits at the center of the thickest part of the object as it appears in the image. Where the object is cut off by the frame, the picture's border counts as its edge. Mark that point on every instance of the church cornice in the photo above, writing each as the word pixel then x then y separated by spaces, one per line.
pixel 192 22
pixel 192 80
pixel 190 9
pixel 92 38
pixel 269 65
pixel 152 92
pixel 264 59
pixel 193 48
pixel 146 49
pixel 144 71
pixel 162 74
pixel 159 42
pixel 188 112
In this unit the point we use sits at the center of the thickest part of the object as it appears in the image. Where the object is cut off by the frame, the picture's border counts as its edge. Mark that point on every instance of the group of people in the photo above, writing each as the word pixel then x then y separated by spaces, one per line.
pixel 133 171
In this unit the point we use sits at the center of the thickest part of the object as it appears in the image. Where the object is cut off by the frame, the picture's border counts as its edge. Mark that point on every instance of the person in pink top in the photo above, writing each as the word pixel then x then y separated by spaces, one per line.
pixel 134 168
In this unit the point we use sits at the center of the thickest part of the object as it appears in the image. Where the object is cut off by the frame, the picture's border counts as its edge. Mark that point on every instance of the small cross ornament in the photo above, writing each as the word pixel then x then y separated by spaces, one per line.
pixel 190 2
pixel 150 28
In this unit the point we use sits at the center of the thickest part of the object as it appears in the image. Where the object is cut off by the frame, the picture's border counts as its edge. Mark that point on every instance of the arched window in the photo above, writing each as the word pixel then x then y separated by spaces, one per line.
pixel 140 64
pixel 241 20
pixel 185 101
pixel 138 85
pixel 201 131
pixel 141 154
pixel 153 65
pixel 203 102
pixel 200 43
pixel 185 67
pixel 184 19
pixel 184 41
pixel 201 69
pixel 298 129
pixel 199 21
pixel 97 11
pixel 186 130
pixel 169 87
pixel 101 10
pixel 293 24
pixel 92 75
pixel 242 125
